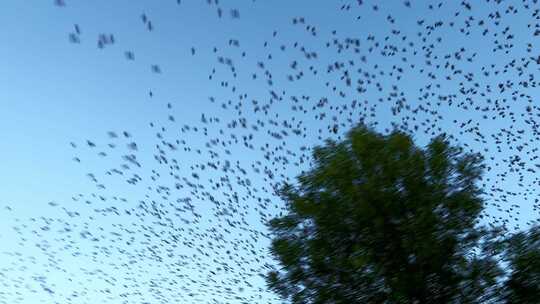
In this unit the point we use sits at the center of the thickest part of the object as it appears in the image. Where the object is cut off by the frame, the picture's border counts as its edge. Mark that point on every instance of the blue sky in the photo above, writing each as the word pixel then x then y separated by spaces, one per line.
pixel 55 92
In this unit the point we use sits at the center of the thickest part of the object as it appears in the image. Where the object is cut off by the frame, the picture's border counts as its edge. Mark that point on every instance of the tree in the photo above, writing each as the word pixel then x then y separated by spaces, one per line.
pixel 380 220
pixel 523 257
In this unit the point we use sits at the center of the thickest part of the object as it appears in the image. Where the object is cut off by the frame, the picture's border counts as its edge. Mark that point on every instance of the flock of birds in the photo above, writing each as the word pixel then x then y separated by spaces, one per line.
pixel 191 228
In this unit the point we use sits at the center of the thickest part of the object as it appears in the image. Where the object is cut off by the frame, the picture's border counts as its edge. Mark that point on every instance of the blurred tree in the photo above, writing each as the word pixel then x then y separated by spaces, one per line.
pixel 523 258
pixel 380 220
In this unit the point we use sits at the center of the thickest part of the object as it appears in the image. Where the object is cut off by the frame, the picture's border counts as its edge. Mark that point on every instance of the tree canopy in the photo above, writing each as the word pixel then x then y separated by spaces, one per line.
pixel 523 257
pixel 380 220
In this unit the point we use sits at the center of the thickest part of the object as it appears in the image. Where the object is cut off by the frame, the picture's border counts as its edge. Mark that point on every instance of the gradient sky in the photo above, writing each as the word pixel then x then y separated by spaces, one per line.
pixel 55 92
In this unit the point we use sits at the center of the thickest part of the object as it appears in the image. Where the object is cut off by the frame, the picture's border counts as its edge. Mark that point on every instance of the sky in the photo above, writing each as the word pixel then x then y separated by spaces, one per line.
pixel 54 93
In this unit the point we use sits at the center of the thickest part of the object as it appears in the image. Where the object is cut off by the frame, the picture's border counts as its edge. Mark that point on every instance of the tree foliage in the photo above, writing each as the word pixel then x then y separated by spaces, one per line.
pixel 523 256
pixel 380 220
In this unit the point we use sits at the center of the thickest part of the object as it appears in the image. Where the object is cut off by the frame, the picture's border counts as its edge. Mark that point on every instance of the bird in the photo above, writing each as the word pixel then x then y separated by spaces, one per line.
pixel 188 194
pixel 129 55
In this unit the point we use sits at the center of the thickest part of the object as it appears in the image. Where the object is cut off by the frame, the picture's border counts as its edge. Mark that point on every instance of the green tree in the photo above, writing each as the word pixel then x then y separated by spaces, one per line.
pixel 380 220
pixel 523 257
